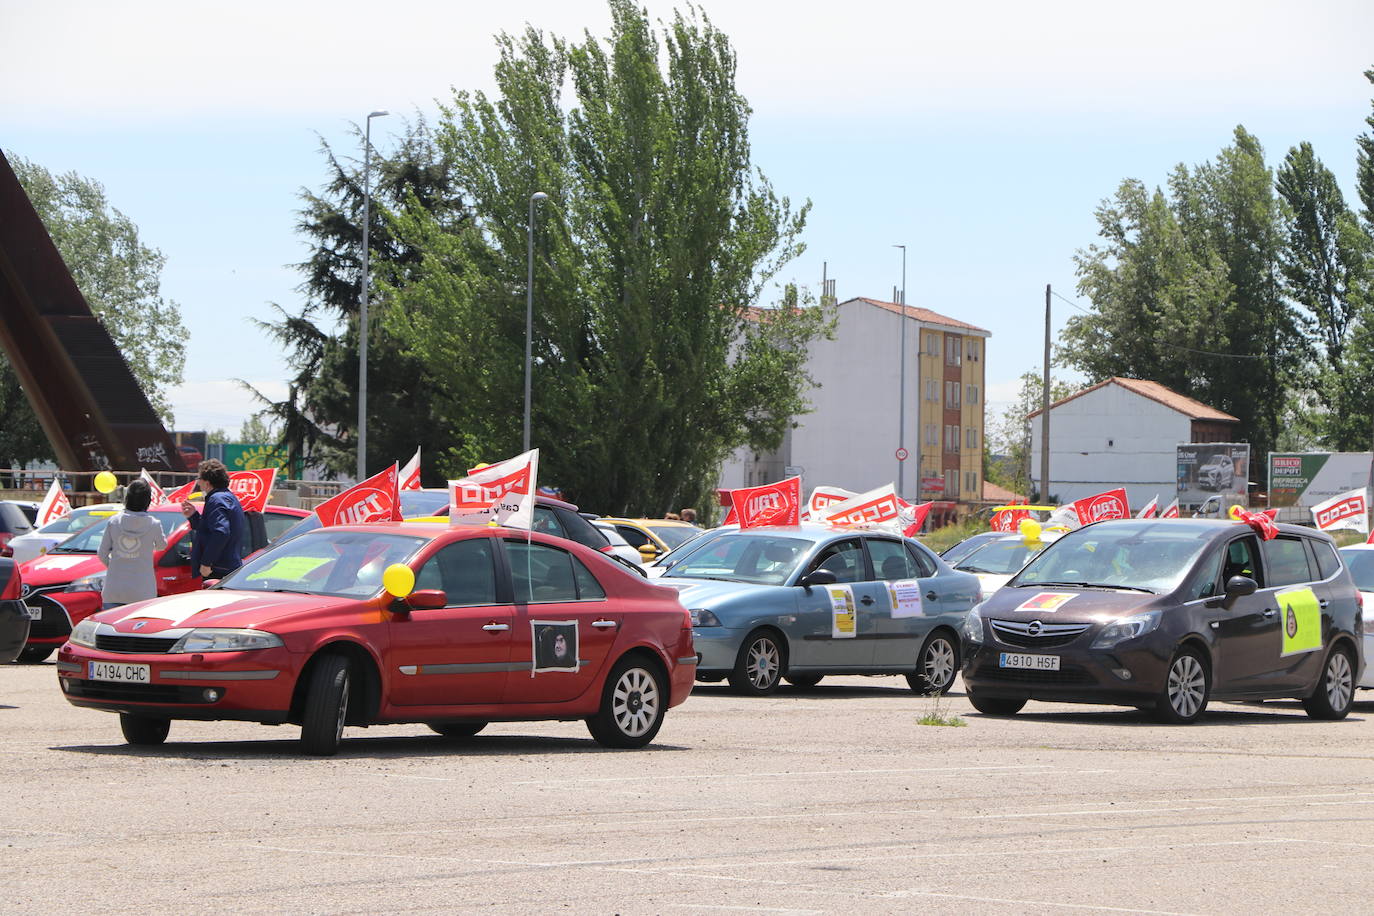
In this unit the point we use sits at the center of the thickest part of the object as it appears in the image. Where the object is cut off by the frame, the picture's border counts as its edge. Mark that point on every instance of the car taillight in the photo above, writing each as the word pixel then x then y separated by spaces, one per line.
pixel 5 549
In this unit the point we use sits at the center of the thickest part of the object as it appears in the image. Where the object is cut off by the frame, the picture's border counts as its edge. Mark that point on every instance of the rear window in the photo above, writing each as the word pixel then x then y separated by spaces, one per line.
pixel 1285 561
pixel 1327 561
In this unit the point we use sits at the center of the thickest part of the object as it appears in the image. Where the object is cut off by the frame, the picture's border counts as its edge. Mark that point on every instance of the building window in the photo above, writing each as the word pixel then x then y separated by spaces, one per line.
pixel 952 439
pixel 932 437
pixel 952 395
pixel 971 481
pixel 953 350
pixel 971 438
pixel 952 482
pixel 972 394
pixel 933 344
pixel 932 389
pixel 973 348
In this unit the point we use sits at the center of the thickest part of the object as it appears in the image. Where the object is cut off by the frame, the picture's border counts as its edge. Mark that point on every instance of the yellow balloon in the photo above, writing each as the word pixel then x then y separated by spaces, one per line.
pixel 105 482
pixel 1030 529
pixel 398 580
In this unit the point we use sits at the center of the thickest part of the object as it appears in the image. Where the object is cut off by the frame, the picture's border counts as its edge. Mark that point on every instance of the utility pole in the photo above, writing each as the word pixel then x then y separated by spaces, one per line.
pixel 1045 412
pixel 901 397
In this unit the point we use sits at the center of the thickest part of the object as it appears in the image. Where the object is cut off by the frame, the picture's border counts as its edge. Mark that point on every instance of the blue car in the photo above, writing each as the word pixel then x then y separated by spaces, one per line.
pixel 806 601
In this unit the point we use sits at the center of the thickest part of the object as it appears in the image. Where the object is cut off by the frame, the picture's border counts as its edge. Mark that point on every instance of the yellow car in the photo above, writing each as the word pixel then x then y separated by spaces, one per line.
pixel 653 537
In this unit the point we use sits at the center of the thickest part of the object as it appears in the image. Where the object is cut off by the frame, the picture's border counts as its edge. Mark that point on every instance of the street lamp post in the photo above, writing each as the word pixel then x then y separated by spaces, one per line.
pixel 529 308
pixel 901 398
pixel 362 316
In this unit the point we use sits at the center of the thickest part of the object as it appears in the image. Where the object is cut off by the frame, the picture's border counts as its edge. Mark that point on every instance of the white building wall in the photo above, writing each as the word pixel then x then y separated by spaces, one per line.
pixel 1108 438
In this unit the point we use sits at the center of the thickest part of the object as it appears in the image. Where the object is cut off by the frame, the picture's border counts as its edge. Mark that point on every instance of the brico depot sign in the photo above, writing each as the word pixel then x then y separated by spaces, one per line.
pixel 1305 479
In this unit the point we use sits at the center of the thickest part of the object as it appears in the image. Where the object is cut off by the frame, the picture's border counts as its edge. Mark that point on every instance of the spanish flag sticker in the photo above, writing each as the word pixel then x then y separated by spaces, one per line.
pixel 1301 621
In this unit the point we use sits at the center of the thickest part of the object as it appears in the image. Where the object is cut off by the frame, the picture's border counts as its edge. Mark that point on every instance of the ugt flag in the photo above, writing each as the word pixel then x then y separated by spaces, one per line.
pixel 1089 509
pixel 1008 520
pixel 55 505
pixel 771 504
pixel 1348 510
pixel 373 500
pixel 252 487
pixel 501 493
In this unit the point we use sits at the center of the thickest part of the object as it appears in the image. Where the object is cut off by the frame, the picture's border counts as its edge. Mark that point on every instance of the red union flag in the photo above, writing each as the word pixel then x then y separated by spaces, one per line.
pixel 501 493
pixel 373 500
pixel 1008 520
pixel 252 487
pixel 912 517
pixel 772 504
pixel 1101 507
pixel 876 507
pixel 410 474
pixel 182 492
pixel 55 505
pixel 1345 510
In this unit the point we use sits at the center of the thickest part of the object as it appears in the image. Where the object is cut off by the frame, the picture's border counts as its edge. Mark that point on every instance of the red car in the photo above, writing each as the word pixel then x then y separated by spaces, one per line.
pixel 14 618
pixel 62 587
pixel 394 622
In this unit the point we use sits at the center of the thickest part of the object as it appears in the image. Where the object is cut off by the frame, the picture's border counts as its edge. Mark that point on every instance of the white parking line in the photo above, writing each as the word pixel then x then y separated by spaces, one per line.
pixel 838 773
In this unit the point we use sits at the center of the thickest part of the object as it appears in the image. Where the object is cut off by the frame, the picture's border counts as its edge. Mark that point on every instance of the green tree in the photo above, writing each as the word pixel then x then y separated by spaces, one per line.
pixel 651 361
pixel 120 278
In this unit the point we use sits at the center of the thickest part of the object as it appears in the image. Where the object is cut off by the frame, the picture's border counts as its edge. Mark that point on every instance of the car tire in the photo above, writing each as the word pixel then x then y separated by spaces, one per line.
pixel 995 706
pixel 144 731
pixel 759 665
pixel 1335 690
pixel 1187 686
pixel 633 704
pixel 32 655
pixel 803 681
pixel 457 729
pixel 710 678
pixel 326 706
pixel 937 664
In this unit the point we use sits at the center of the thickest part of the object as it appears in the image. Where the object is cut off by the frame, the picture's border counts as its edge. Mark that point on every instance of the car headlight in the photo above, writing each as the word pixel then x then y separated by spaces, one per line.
pixel 1118 631
pixel 208 640
pixel 973 628
pixel 92 583
pixel 703 618
pixel 83 634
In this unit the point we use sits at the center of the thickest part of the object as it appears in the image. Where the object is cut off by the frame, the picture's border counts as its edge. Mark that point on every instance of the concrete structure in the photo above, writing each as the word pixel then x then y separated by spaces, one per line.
pixel 850 438
pixel 1124 432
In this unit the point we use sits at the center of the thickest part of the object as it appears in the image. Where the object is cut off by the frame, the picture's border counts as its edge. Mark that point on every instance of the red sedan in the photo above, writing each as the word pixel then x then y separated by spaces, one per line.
pixel 453 627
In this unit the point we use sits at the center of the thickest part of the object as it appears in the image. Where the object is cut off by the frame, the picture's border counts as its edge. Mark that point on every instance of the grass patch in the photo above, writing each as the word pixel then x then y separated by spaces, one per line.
pixel 939 718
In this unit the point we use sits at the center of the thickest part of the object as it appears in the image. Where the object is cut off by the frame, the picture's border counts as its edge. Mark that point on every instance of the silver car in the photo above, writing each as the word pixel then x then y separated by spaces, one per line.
pixel 806 601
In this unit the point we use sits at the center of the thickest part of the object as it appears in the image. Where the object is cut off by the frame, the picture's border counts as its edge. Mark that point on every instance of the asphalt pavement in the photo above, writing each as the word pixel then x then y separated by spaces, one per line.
pixel 834 800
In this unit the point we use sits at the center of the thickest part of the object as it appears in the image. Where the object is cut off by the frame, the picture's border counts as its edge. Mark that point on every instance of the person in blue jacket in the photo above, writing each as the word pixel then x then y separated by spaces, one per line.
pixel 218 546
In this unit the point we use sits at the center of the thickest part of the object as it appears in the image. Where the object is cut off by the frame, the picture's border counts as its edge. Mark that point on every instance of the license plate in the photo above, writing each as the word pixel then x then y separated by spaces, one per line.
pixel 35 612
pixel 1033 662
pixel 119 671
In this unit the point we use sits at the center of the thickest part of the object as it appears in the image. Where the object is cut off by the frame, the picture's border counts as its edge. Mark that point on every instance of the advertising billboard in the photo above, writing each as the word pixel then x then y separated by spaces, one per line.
pixel 1208 468
pixel 1307 478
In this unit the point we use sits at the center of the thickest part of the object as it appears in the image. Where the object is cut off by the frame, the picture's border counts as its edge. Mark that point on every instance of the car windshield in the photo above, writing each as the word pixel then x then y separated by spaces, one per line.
pixel 968 545
pixel 673 535
pixel 88 539
pixel 76 520
pixel 418 503
pixel 759 559
pixel 1000 557
pixel 327 562
pixel 1148 556
pixel 688 548
pixel 1361 565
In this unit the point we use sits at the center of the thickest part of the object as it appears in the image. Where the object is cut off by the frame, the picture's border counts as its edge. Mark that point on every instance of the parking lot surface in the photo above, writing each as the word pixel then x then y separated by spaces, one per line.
pixel 833 800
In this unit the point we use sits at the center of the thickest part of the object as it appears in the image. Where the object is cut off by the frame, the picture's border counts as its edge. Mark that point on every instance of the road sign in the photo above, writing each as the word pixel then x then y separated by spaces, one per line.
pixel 903 454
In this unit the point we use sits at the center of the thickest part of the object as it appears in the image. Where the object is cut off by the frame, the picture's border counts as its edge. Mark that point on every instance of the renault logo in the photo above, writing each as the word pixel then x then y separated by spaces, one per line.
pixel 25 591
pixel 1034 628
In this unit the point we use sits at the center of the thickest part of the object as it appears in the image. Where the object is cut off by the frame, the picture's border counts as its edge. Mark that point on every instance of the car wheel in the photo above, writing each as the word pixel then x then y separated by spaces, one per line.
pixel 1335 690
pixel 144 731
pixel 34 654
pixel 936 666
pixel 803 681
pixel 1186 689
pixel 457 729
pixel 326 706
pixel 632 705
pixel 995 706
pixel 759 665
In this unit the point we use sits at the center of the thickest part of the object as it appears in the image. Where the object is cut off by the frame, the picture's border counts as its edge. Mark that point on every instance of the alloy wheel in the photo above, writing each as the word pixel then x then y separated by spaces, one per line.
pixel 1339 681
pixel 635 702
pixel 764 663
pixel 1187 686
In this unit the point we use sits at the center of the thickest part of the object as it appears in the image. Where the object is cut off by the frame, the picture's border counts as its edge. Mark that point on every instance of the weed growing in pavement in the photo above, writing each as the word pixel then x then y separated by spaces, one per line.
pixel 937 716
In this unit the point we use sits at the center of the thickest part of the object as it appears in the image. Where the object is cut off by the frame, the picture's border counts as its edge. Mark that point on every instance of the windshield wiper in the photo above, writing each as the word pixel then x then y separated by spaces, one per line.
pixel 1102 585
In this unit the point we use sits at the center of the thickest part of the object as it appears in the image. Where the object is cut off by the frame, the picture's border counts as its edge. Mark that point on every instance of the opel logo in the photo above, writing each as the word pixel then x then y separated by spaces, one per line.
pixel 1034 628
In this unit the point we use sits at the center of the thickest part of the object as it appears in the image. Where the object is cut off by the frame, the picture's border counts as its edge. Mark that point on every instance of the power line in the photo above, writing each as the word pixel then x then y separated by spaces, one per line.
pixel 1174 345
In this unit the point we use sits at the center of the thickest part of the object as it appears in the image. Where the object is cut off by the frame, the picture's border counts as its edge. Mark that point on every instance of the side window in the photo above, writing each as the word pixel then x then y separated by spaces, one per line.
pixel 578 529
pixel 463 571
pixel 1241 560
pixel 541 574
pixel 588 589
pixel 925 566
pixel 276 523
pixel 844 558
pixel 634 536
pixel 1328 563
pixel 1285 561
pixel 890 560
pixel 1208 583
pixel 547 522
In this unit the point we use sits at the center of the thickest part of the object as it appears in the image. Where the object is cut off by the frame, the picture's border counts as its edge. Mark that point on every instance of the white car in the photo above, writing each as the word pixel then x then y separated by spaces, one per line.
pixel 997 559
pixel 620 547
pixel 1359 559
pixel 36 543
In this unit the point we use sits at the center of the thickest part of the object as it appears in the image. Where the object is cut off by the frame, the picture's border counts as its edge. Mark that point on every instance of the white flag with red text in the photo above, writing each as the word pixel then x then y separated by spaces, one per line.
pixel 502 493
pixel 55 505
pixel 410 474
pixel 878 506
pixel 825 496
pixel 1151 508
pixel 159 495
pixel 1171 511
pixel 1348 510
pixel 374 500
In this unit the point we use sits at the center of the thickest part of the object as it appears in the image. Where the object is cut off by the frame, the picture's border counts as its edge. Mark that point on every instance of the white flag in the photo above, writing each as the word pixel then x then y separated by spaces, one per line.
pixel 410 474
pixel 822 497
pixel 501 493
pixel 1171 511
pixel 55 505
pixel 159 495
pixel 1346 510
pixel 1151 508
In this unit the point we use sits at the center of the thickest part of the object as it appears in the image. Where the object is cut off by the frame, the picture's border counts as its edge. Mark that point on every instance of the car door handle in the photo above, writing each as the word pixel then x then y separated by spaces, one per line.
pixel 931 596
pixel 865 600
pixel 1323 603
pixel 1270 611
pixel 604 624
pixel 496 627
pixel 169 578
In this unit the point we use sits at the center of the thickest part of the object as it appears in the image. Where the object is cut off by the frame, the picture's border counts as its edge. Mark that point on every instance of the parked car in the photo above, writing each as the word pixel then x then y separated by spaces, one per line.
pixel 16 518
pixel 653 537
pixel 620 548
pixel 62 587
pixel 666 561
pixel 1217 474
pixel 995 560
pixel 14 614
pixel 39 541
pixel 952 555
pixel 1359 559
pixel 805 601
pixel 321 631
pixel 1167 614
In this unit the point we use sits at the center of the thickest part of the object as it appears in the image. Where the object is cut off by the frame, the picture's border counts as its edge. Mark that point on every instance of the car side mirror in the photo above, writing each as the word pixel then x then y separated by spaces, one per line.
pixel 648 552
pixel 427 599
pixel 1239 587
pixel 818 577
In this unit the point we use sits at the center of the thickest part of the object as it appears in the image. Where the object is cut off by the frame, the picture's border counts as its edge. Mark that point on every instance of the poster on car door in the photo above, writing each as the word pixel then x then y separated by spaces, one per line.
pixel 1302 621
pixel 905 598
pixel 1208 468
pixel 555 645
pixel 844 622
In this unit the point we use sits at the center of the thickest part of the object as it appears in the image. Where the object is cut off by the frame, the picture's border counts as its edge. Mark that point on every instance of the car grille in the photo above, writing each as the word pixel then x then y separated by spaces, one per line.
pixel 1067 674
pixel 141 645
pixel 166 694
pixel 54 621
pixel 1049 635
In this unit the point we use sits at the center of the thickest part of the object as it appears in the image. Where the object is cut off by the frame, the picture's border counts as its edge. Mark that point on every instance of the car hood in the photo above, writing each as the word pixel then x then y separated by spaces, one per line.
pixel 215 607
pixel 59 568
pixel 1066 604
pixel 708 592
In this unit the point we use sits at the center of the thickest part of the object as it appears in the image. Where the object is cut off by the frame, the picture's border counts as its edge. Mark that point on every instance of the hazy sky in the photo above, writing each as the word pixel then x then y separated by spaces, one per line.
pixel 981 136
